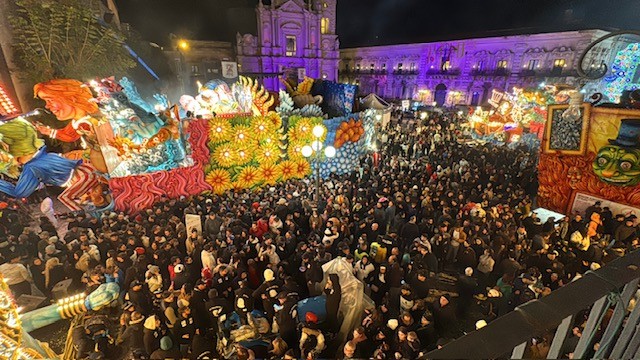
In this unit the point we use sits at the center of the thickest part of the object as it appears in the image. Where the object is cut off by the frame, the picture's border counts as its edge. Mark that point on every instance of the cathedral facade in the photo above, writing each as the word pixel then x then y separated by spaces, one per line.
pixel 295 38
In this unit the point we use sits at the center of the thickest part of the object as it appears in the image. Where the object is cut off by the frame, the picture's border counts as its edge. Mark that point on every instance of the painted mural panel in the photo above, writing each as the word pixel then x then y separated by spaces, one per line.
pixel 609 168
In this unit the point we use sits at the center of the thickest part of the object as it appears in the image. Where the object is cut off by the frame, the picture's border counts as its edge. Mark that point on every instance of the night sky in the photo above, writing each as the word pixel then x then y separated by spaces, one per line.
pixel 369 22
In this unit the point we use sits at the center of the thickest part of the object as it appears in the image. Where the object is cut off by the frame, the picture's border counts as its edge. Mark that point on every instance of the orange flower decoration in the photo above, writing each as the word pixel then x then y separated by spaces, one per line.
pixel 302 168
pixel 274 117
pixel 269 173
pixel 248 177
pixel 220 180
pixel 288 169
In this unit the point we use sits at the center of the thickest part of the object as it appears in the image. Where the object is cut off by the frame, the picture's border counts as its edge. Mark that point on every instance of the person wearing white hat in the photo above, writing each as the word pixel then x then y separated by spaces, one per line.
pixel 268 292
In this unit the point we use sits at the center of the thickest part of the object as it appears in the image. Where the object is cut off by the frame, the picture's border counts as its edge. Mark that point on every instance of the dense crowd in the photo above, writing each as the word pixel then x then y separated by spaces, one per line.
pixel 425 205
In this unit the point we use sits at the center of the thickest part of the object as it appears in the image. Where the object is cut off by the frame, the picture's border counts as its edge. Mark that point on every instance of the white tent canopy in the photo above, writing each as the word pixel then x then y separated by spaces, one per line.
pixel 373 101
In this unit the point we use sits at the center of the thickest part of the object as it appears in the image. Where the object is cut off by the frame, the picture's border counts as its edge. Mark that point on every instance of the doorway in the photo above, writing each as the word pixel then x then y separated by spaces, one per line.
pixel 475 98
pixel 440 95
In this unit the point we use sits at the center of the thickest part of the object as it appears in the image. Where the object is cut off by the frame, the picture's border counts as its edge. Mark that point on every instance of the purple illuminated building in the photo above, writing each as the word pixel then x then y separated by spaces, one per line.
pixel 294 37
pixel 465 71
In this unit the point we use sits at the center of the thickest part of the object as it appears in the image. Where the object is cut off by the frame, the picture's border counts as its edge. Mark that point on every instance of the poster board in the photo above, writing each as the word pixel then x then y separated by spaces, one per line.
pixel 193 222
pixel 581 201
pixel 229 69
pixel 564 137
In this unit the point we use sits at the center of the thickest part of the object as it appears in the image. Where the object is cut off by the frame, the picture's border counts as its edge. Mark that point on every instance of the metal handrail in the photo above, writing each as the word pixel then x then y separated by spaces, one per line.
pixel 535 317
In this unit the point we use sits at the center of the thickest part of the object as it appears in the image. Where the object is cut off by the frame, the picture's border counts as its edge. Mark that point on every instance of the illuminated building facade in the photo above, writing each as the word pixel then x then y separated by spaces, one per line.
pixel 465 71
pixel 198 61
pixel 292 35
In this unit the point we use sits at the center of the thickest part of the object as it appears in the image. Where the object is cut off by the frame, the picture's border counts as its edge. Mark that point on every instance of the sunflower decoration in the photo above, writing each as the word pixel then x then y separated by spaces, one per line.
pixel 267 153
pixel 248 177
pixel 274 118
pixel 220 180
pixel 302 168
pixel 243 155
pixel 269 173
pixel 303 130
pixel 262 128
pixel 220 130
pixel 294 150
pixel 241 135
pixel 288 169
pixel 224 155
pixel 293 135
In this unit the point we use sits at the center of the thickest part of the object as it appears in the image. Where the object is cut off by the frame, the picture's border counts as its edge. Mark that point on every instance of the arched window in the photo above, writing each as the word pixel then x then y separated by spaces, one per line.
pixel 324 25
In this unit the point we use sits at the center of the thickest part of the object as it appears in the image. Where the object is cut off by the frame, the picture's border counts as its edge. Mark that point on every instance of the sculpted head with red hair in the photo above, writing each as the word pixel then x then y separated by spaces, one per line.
pixel 67 99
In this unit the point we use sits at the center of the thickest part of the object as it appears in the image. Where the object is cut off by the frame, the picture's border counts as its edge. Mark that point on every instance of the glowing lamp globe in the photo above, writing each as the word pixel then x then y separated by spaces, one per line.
pixel 316 145
pixel 318 131
pixel 330 151
pixel 306 151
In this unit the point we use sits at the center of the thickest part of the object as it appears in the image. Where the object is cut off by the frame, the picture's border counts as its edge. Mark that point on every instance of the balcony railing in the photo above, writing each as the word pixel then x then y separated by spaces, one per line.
pixel 611 331
pixel 443 72
pixel 362 72
pixel 494 72
pixel 405 72
pixel 547 73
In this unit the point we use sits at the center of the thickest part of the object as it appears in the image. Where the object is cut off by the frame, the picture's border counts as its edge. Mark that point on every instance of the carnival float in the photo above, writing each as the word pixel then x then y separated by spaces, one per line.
pixel 516 117
pixel 132 152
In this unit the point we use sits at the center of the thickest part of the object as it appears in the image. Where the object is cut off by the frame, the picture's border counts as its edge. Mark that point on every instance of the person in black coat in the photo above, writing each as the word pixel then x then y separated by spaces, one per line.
pixel 313 273
pixel 268 292
pixel 427 332
pixel 467 287
pixel 410 231
pixel 333 292
pixel 216 307
pixel 152 333
pixel 419 285
pixel 379 284
pixel 197 303
pixel 139 297
pixel 445 319
pixel 243 303
pixel 286 317
pixel 131 337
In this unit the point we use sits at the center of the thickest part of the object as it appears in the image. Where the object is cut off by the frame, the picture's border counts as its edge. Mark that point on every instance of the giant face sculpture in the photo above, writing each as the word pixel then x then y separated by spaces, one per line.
pixel 66 98
pixel 617 165
pixel 575 176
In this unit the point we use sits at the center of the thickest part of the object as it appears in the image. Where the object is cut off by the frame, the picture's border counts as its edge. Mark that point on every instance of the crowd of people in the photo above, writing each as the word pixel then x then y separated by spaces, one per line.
pixel 427 204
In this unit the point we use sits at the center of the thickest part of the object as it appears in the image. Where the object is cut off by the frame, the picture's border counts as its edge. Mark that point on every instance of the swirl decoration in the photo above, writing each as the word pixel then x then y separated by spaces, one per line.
pixel 133 194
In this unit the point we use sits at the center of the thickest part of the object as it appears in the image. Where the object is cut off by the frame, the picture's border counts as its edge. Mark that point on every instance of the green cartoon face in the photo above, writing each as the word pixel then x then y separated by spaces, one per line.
pixel 618 166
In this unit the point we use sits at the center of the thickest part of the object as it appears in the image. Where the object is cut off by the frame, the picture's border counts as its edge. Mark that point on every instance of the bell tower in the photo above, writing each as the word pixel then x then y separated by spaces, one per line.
pixel 327 11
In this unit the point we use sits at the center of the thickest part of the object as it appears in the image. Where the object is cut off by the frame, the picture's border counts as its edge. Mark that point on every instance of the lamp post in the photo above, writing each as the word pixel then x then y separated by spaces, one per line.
pixel 316 148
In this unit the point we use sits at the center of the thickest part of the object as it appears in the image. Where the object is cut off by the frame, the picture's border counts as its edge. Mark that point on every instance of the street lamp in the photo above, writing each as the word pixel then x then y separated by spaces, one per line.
pixel 317 147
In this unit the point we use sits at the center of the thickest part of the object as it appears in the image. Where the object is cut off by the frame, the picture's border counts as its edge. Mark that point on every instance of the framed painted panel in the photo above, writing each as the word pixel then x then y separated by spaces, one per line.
pixel 564 137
